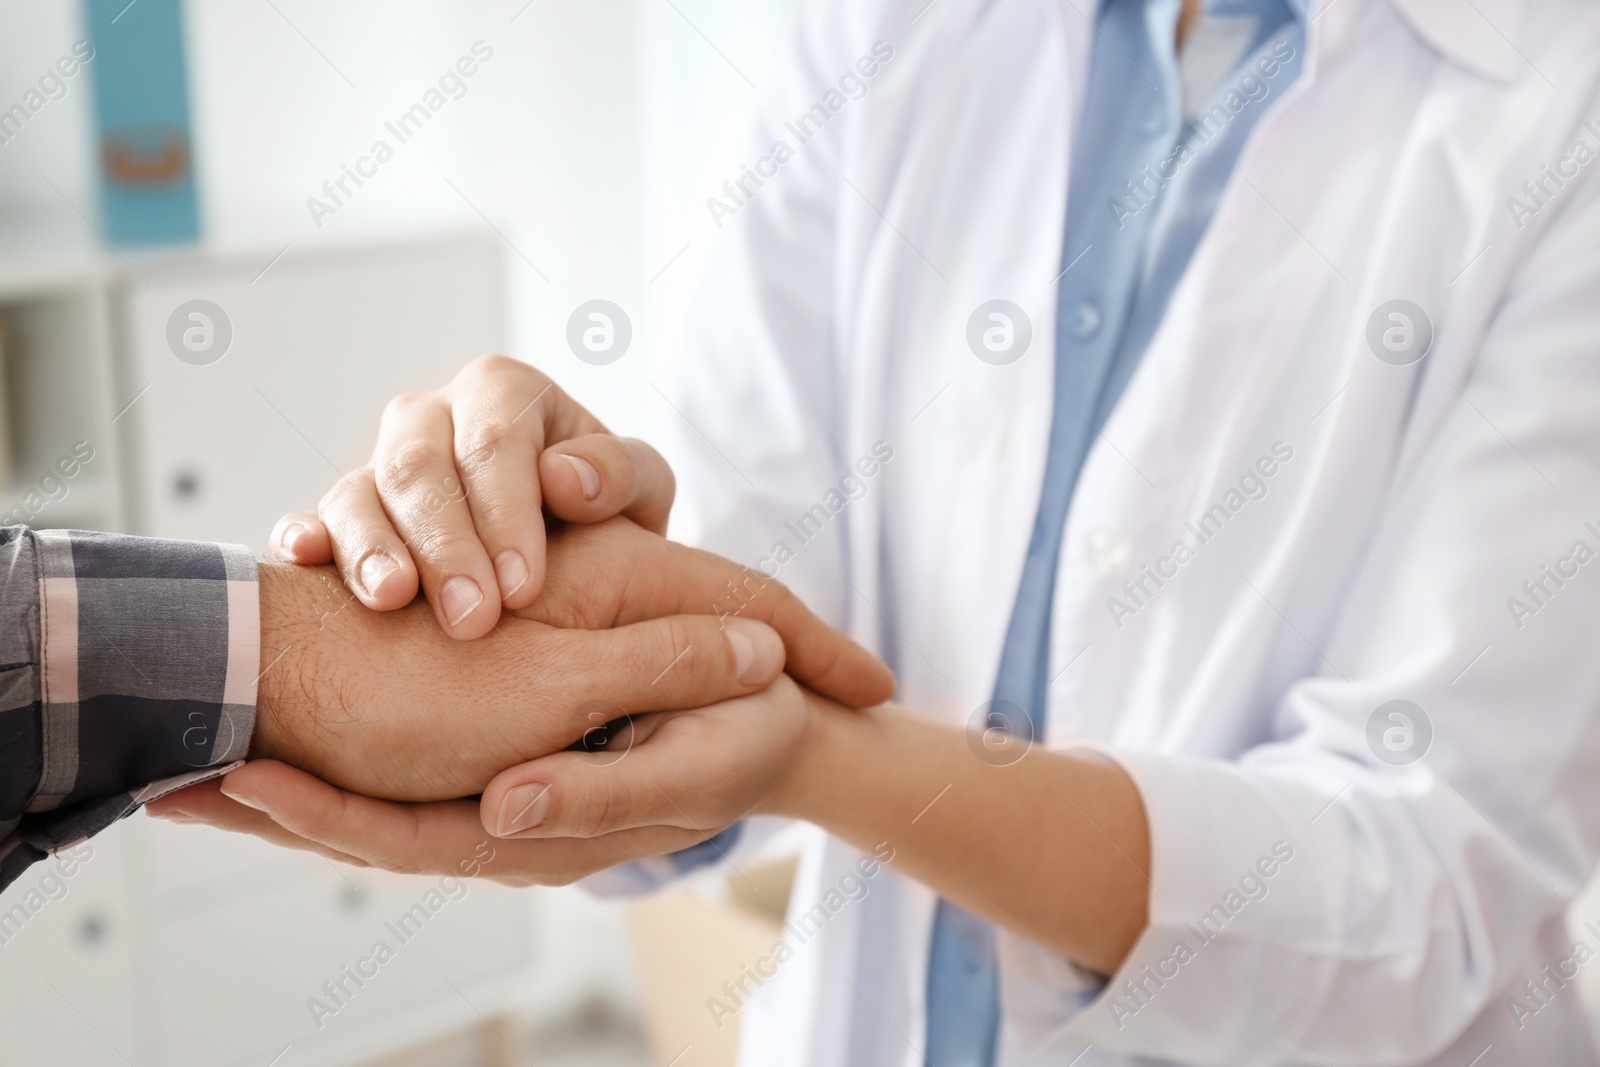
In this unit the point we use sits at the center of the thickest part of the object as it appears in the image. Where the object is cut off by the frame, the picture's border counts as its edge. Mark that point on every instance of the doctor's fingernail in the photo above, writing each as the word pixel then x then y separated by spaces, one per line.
pixel 524 807
pixel 460 597
pixel 757 650
pixel 588 477
pixel 291 533
pixel 511 571
pixel 375 570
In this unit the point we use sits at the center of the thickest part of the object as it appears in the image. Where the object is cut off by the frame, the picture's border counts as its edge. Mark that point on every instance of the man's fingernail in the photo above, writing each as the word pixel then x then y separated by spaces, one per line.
pixel 375 569
pixel 287 539
pixel 757 650
pixel 511 571
pixel 460 597
pixel 588 477
pixel 249 800
pixel 174 815
pixel 524 807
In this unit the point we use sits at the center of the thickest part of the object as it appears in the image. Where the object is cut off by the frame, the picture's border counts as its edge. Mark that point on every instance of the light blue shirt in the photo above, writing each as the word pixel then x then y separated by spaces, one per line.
pixel 1146 177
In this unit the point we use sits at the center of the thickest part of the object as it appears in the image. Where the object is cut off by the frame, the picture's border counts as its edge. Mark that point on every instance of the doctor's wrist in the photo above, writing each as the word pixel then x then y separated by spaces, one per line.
pixel 810 786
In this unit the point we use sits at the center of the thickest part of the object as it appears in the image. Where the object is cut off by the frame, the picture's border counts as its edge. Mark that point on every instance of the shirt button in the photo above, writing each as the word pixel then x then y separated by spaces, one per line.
pixel 1085 320
pixel 1109 552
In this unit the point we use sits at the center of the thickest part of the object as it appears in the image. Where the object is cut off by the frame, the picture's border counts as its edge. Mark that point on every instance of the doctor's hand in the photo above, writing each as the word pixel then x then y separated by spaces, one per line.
pixel 453 497
pixel 387 705
pixel 695 771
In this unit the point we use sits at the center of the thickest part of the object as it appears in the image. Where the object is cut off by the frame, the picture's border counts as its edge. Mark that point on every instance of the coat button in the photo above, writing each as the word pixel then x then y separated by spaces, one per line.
pixel 1085 322
pixel 1109 552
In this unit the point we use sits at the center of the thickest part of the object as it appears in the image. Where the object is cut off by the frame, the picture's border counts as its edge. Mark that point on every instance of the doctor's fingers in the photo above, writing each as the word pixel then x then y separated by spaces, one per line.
pixel 689 779
pixel 443 838
pixel 666 578
pixel 592 478
pixel 670 664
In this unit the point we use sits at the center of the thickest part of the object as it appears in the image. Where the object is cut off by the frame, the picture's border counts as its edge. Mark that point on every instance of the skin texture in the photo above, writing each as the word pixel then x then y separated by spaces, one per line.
pixel 386 704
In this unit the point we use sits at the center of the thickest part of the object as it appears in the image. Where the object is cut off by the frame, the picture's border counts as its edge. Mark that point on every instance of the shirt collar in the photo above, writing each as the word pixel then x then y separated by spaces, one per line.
pixel 1484 40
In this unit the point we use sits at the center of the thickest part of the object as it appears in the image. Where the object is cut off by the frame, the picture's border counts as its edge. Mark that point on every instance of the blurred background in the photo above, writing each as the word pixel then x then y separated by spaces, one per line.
pixel 229 229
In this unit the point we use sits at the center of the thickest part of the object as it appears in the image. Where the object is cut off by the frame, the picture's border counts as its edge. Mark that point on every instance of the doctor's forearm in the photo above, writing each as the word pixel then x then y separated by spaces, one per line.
pixel 1054 847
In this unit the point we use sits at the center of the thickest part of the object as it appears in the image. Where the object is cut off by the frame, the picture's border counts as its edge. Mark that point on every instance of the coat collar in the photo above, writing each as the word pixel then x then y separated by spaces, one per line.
pixel 1482 34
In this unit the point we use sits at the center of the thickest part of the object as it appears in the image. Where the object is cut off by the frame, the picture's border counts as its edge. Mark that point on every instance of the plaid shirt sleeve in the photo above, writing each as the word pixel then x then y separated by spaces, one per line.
pixel 128 670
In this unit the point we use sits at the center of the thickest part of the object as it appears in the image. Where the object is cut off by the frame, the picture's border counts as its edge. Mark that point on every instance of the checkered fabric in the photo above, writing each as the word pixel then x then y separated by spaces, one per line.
pixel 128 669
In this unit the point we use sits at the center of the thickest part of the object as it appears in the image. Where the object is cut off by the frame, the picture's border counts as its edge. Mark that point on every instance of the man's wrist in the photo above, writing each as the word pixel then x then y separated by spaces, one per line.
pixel 296 605
pixel 274 585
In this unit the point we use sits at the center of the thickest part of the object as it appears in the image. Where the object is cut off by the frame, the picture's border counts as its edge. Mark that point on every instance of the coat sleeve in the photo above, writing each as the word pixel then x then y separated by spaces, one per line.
pixel 129 670
pixel 749 415
pixel 1365 886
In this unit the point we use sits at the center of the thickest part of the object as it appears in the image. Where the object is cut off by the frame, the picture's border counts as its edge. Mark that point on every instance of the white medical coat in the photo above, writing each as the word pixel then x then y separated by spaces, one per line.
pixel 1400 549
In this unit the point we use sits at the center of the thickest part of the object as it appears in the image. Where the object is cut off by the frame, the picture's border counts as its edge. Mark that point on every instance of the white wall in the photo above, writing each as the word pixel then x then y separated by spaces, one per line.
pixel 543 146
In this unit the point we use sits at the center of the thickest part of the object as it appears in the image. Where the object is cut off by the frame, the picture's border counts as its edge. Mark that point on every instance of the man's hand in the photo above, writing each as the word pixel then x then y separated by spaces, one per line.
pixel 387 705
pixel 454 493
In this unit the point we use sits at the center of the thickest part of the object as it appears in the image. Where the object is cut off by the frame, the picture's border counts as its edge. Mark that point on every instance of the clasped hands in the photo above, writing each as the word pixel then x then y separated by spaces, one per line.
pixel 584 694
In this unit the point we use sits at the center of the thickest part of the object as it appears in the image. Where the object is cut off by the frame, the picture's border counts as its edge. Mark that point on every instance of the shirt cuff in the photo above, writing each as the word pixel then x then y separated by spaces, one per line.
pixel 142 680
